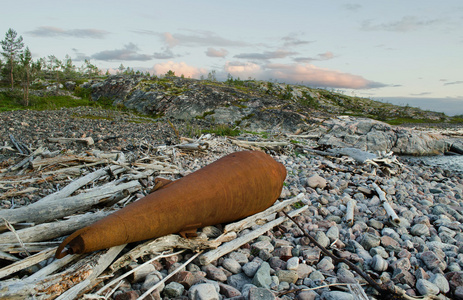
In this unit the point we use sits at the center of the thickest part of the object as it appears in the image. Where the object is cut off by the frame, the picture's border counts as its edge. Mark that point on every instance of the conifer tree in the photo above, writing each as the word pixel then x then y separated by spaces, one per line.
pixel 11 46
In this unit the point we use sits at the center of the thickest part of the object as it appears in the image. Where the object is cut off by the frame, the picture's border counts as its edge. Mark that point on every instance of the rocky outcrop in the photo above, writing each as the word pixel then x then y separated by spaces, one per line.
pixel 257 107
pixel 189 99
pixel 371 135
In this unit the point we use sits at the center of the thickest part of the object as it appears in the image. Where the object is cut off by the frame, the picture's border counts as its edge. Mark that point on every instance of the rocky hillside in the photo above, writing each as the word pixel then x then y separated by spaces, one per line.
pixel 250 105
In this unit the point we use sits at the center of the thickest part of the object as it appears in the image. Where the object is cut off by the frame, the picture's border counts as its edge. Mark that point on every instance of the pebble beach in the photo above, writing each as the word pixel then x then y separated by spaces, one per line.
pixel 421 255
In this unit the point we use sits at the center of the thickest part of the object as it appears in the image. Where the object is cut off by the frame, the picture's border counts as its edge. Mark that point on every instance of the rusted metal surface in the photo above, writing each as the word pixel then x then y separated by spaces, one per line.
pixel 233 187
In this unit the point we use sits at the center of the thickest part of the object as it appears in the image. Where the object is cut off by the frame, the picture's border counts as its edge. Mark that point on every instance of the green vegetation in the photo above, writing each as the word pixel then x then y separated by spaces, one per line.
pixel 222 130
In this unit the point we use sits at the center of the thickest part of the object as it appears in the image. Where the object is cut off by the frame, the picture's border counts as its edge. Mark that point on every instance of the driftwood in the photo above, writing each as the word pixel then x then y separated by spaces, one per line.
pixel 27 262
pixel 350 212
pixel 87 140
pixel 26 160
pixel 254 145
pixel 31 247
pixel 389 210
pixel 228 247
pixel 102 263
pixel 40 212
pixel 252 220
pixel 48 231
pixel 154 287
pixel 163 244
pixel 112 282
pixel 67 284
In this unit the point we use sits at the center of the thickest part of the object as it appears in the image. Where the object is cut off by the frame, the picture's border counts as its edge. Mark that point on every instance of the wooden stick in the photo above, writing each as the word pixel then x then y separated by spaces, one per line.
pixel 251 145
pixel 26 160
pixel 58 208
pixel 162 255
pixel 163 244
pixel 48 231
pixel 226 248
pixel 389 210
pixel 350 212
pixel 87 140
pixel 251 220
pixel 169 276
pixel 101 264
pixel 27 262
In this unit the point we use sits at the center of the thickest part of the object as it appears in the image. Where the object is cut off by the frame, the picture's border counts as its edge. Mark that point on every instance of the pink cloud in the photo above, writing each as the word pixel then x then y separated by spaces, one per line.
pixel 211 52
pixel 170 40
pixel 300 73
pixel 180 68
pixel 243 70
pixel 313 75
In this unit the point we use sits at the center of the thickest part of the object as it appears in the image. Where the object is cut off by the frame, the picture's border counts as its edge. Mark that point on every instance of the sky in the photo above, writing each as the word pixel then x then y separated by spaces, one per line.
pixel 402 52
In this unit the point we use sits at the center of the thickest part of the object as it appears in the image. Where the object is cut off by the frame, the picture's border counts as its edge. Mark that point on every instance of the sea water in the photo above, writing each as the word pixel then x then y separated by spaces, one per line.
pixel 445 162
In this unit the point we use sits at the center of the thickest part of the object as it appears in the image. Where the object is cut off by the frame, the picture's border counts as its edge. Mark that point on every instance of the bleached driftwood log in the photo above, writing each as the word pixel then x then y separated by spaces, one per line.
pixel 350 212
pixel 33 247
pixel 389 210
pixel 251 220
pixel 162 255
pixel 163 244
pixel 101 264
pixel 48 231
pixel 27 262
pixel 26 160
pixel 41 162
pixel 252 145
pixel 87 140
pixel 67 284
pixel 151 289
pixel 228 247
pixel 58 208
pixel 193 146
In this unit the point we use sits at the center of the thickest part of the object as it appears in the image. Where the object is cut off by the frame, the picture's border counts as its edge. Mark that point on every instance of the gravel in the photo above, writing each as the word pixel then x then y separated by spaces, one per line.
pixel 423 255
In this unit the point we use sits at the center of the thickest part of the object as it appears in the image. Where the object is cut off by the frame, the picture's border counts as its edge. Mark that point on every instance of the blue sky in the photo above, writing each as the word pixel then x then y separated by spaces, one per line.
pixel 403 52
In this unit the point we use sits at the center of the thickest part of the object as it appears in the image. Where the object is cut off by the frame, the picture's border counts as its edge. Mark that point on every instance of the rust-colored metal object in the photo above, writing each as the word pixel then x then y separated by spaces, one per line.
pixel 231 188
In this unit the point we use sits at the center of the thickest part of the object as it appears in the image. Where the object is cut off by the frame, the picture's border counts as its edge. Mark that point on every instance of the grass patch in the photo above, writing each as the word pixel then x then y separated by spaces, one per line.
pixel 13 101
pixel 222 130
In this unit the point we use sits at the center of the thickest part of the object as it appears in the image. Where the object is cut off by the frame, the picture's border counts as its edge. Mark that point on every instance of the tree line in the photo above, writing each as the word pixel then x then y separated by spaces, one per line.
pixel 17 68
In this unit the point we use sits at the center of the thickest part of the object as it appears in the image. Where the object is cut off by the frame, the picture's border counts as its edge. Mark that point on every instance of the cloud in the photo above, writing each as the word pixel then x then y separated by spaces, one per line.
pixel 351 6
pixel 48 31
pixel 266 55
pixel 297 73
pixel 211 52
pixel 129 52
pixel 454 82
pixel 243 70
pixel 322 56
pixel 291 41
pixel 407 23
pixel 79 56
pixel 199 38
pixel 421 94
pixel 165 54
pixel 180 68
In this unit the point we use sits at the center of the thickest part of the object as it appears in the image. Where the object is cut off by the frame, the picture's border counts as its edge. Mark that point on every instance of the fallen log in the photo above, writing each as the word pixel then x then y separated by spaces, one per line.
pixel 27 262
pixel 48 231
pixel 389 210
pixel 40 212
pixel 253 145
pixel 162 244
pixel 251 220
pixel 228 247
pixel 87 140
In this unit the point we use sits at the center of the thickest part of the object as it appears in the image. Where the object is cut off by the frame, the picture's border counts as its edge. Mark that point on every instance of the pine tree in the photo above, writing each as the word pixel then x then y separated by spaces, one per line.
pixel 26 68
pixel 11 46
